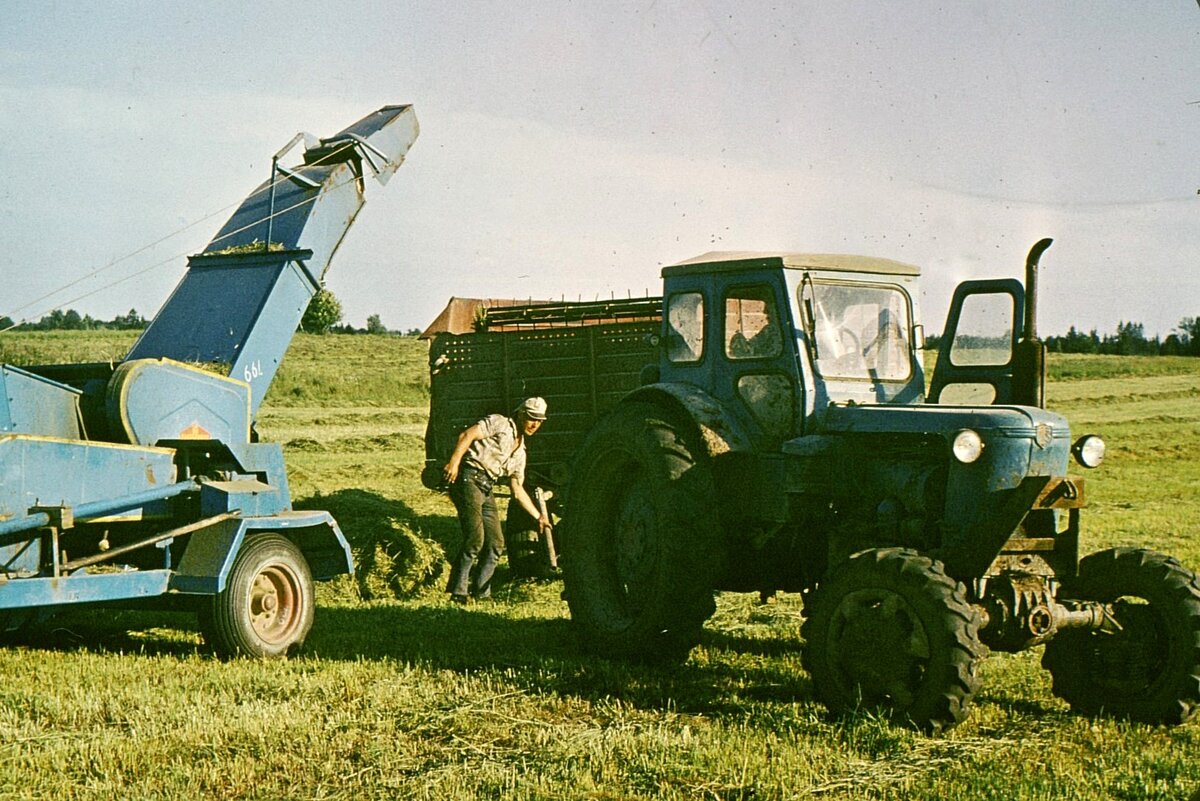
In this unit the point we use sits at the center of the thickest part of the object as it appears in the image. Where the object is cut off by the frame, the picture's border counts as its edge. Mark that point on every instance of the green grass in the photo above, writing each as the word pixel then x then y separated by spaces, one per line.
pixel 413 698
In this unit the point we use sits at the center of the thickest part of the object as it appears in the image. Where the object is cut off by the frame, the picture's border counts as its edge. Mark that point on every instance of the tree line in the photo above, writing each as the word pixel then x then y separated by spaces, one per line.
pixel 1130 340
pixel 323 316
pixel 71 320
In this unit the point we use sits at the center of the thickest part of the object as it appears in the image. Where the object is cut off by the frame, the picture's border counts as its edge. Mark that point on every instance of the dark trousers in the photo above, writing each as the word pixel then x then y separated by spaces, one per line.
pixel 482 538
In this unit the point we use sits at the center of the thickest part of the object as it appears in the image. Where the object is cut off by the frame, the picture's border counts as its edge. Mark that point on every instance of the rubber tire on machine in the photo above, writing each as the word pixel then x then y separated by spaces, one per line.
pixel 527 556
pixel 266 607
pixel 889 630
pixel 1149 671
pixel 641 544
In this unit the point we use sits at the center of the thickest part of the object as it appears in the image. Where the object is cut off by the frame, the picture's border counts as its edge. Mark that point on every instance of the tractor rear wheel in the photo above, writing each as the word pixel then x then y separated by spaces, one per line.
pixel 641 544
pixel 266 607
pixel 1149 669
pixel 889 630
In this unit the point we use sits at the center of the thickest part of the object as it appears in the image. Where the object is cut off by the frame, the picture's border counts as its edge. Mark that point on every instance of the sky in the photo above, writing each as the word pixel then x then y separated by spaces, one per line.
pixel 572 149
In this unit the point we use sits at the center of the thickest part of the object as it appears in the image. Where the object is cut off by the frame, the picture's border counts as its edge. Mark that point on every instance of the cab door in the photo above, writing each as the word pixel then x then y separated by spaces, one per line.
pixel 755 371
pixel 976 354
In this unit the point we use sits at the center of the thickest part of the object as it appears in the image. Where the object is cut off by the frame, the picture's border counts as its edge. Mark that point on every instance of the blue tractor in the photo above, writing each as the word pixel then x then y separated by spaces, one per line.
pixel 143 483
pixel 786 439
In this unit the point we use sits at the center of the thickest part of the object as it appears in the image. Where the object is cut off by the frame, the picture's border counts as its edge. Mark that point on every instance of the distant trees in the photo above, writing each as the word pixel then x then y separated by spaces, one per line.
pixel 1189 336
pixel 71 320
pixel 1129 340
pixel 129 321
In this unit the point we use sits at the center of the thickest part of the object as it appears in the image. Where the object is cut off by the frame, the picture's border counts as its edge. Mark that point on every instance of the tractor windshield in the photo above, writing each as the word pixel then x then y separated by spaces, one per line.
pixel 861 331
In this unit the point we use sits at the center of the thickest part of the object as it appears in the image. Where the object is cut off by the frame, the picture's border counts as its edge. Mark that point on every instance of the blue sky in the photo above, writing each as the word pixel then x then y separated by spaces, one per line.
pixel 571 149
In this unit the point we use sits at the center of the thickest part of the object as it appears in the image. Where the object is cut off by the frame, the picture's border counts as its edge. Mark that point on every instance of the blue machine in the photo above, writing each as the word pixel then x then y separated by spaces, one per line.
pixel 143 483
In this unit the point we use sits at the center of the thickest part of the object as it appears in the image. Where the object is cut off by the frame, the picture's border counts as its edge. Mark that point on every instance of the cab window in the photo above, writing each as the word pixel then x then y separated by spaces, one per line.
pixel 984 334
pixel 861 332
pixel 752 329
pixel 685 327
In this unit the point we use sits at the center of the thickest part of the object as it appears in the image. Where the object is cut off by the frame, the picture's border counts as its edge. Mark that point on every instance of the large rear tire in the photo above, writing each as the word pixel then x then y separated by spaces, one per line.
pixel 641 544
pixel 1148 670
pixel 889 630
pixel 267 605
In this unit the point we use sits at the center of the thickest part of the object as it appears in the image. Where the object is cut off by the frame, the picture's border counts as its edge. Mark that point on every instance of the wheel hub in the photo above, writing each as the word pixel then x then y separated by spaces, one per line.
pixel 634 539
pixel 878 647
pixel 274 597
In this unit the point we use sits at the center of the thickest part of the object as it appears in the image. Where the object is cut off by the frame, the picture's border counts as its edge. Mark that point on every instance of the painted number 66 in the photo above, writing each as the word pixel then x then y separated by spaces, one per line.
pixel 253 370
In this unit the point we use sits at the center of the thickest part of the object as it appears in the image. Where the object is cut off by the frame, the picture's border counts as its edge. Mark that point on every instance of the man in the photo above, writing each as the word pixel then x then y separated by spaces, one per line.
pixel 491 450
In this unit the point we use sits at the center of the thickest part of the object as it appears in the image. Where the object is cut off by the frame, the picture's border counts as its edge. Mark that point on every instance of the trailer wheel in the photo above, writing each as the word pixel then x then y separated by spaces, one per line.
pixel 1148 670
pixel 267 605
pixel 641 545
pixel 889 630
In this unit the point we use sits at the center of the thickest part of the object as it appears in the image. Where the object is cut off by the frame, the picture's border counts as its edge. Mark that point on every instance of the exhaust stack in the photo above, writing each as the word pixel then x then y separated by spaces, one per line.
pixel 1029 361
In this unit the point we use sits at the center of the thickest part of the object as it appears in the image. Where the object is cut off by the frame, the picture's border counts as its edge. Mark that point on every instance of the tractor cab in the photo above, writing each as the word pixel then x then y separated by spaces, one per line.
pixel 779 337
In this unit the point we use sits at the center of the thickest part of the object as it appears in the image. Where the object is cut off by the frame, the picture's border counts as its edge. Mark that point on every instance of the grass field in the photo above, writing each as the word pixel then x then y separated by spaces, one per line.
pixel 414 698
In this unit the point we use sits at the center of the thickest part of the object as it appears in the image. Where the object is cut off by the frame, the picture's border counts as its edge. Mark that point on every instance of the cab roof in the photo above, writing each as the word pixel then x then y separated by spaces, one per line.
pixel 718 260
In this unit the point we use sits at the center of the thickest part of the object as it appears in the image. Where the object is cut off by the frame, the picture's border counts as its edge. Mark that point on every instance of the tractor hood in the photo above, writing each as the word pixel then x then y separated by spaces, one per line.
pixel 1015 421
pixel 1019 441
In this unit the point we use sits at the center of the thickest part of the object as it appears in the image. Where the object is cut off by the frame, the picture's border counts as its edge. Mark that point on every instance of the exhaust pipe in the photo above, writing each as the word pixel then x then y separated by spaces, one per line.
pixel 1029 361
pixel 1031 267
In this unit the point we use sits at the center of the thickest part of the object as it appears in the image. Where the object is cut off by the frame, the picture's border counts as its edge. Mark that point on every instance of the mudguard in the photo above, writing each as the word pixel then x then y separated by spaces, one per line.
pixel 204 568
pixel 718 427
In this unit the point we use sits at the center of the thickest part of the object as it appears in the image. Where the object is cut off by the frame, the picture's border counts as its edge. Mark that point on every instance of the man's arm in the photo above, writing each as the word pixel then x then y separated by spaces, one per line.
pixel 522 497
pixel 465 440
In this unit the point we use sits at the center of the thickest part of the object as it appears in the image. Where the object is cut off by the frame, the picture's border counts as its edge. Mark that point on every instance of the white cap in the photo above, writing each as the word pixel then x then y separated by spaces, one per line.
pixel 533 408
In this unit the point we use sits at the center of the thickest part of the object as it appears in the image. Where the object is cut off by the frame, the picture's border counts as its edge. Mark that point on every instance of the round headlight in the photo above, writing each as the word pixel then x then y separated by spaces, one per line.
pixel 967 446
pixel 1088 450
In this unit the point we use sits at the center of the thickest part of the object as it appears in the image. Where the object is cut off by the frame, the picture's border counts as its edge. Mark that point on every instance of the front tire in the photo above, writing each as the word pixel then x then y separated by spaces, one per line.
pixel 1149 670
pixel 267 606
pixel 641 545
pixel 890 630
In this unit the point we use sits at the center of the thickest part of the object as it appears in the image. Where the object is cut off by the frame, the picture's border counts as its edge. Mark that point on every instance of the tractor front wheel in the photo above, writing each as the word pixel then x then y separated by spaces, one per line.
pixel 266 607
pixel 1147 667
pixel 889 630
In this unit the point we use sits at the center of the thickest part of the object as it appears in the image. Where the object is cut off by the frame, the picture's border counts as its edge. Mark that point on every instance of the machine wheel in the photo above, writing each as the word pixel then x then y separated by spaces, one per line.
pixel 527 556
pixel 1147 671
pixel 890 630
pixel 267 605
pixel 641 545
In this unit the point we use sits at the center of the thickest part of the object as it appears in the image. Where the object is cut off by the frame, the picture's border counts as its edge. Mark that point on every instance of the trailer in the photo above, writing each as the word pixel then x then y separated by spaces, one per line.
pixel 582 357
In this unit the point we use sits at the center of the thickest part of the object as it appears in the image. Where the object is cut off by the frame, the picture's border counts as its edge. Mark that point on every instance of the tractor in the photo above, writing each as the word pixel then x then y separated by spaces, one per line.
pixel 780 435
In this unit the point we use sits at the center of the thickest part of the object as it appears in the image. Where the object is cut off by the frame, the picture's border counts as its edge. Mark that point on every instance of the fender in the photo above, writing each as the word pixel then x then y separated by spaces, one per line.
pixel 204 568
pixel 719 429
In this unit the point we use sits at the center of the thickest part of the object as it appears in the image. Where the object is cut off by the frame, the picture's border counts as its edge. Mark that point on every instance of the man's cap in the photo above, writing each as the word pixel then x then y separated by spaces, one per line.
pixel 533 408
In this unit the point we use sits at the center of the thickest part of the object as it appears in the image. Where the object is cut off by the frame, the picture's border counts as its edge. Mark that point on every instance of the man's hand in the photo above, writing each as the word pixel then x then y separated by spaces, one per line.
pixel 544 524
pixel 450 471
